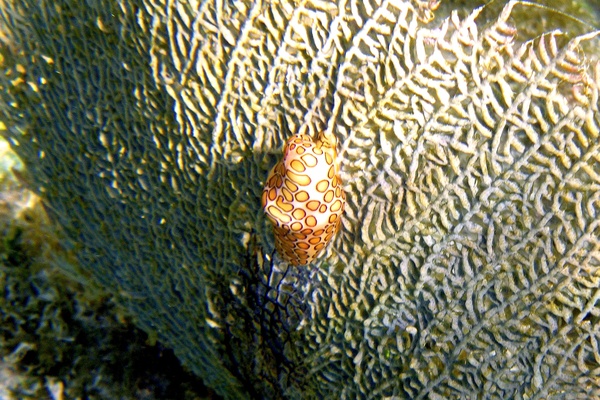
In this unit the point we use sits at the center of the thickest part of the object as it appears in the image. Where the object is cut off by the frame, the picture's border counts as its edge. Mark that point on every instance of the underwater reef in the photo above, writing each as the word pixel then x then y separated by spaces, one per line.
pixel 467 265
pixel 61 338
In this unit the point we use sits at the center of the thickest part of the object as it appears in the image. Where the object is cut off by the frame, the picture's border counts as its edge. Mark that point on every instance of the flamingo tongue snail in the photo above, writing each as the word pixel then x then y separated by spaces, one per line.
pixel 303 197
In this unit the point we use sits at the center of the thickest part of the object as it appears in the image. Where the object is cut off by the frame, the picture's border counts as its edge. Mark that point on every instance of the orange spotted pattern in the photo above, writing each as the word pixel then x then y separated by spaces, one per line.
pixel 304 199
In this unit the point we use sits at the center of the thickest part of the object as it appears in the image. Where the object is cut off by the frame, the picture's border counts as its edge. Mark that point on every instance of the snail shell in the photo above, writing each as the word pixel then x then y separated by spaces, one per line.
pixel 303 197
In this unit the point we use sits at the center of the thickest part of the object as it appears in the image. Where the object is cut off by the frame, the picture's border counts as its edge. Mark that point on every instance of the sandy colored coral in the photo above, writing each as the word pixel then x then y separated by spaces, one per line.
pixel 467 264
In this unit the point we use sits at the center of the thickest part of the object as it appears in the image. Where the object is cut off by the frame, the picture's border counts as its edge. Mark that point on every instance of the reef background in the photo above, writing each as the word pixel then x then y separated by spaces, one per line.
pixel 468 261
